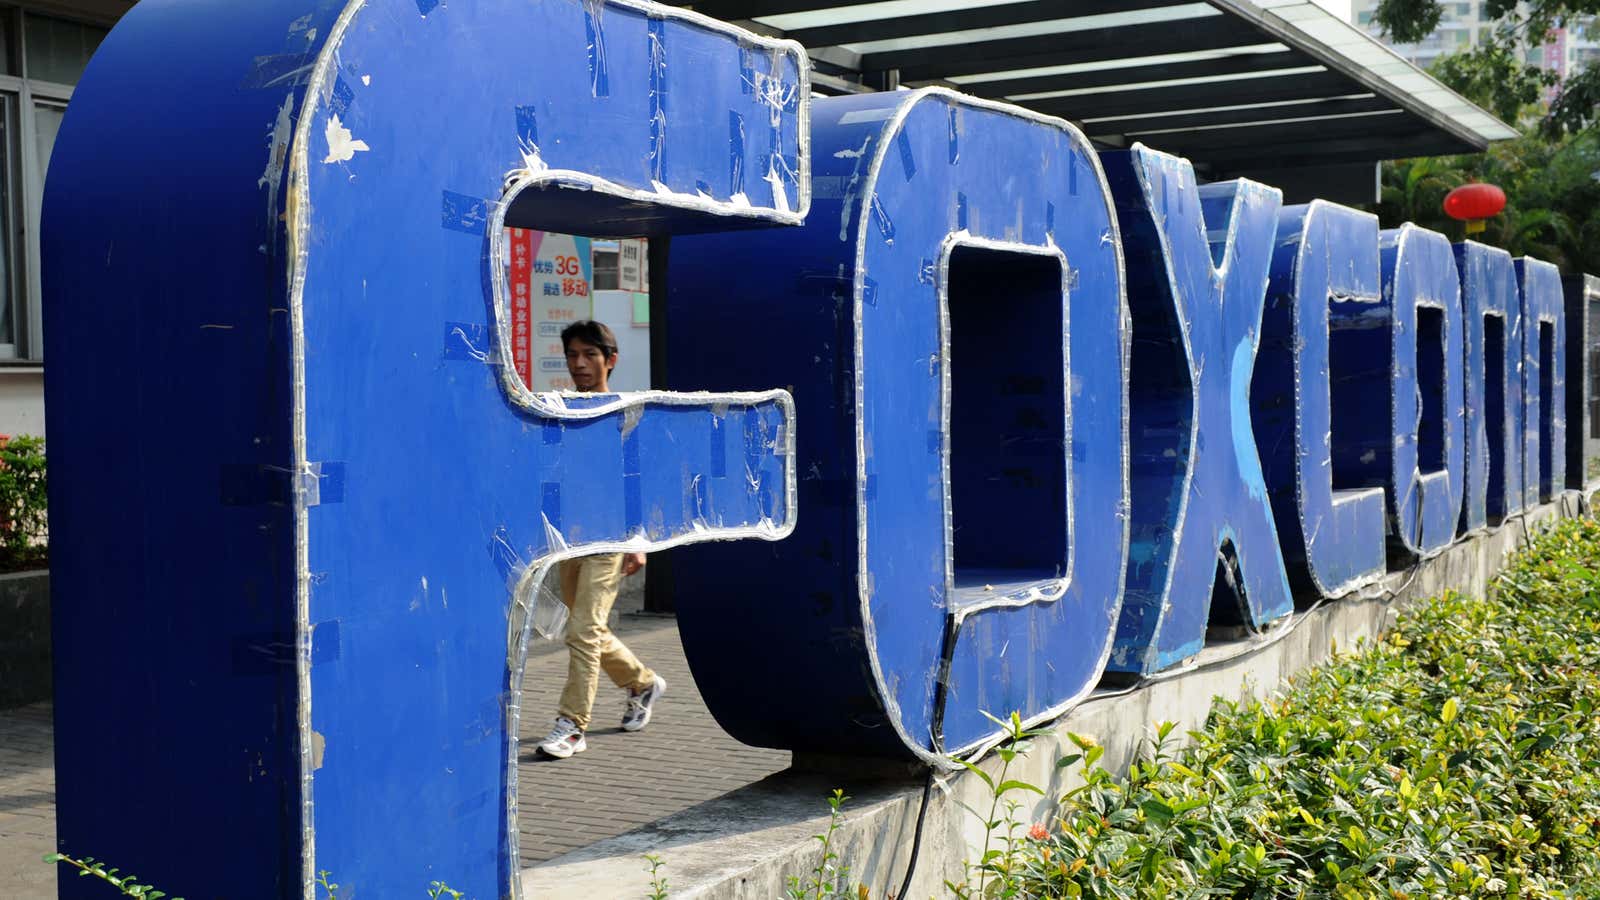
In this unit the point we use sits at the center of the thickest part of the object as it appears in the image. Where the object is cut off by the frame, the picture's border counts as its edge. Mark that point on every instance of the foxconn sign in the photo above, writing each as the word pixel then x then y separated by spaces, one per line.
pixel 960 413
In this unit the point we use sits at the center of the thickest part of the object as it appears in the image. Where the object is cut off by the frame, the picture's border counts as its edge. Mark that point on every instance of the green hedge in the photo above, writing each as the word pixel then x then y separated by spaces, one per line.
pixel 1456 759
pixel 24 526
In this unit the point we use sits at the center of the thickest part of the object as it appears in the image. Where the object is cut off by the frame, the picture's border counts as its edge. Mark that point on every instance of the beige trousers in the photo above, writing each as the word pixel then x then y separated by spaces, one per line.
pixel 589 588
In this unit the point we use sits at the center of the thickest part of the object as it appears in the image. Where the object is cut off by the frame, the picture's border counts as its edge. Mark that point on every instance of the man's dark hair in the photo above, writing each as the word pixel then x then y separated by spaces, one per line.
pixel 591 332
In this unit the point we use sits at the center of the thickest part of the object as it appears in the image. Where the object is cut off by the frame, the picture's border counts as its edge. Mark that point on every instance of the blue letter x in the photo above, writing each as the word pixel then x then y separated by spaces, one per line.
pixel 1197 262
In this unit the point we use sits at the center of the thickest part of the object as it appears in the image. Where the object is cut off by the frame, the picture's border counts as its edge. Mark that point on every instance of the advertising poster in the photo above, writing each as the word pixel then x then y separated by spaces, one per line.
pixel 633 265
pixel 550 275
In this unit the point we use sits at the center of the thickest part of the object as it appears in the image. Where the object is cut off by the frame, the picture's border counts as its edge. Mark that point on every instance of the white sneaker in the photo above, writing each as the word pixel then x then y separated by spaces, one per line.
pixel 565 739
pixel 637 715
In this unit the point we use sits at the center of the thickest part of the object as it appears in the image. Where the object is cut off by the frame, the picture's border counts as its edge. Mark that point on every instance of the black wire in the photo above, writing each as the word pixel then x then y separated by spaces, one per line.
pixel 916 839
pixel 936 732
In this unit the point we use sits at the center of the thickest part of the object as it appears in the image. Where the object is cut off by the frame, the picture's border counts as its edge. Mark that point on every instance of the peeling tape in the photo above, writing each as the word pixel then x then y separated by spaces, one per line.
pixel 460 212
pixel 466 341
pixel 272 176
pixel 599 76
pixel 656 31
pixel 908 160
pixel 550 504
pixel 736 151
pixel 280 70
pixel 324 642
pixel 341 97
pixel 719 447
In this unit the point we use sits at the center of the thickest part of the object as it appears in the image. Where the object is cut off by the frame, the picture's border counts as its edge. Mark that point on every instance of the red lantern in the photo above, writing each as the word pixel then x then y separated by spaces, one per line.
pixel 1472 203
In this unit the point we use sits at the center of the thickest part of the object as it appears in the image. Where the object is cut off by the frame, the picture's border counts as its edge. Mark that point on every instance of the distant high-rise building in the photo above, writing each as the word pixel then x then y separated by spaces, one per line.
pixel 1466 24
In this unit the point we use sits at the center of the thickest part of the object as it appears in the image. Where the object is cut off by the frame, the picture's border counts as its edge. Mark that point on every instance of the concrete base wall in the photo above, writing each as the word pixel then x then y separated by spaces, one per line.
pixel 24 638
pixel 746 843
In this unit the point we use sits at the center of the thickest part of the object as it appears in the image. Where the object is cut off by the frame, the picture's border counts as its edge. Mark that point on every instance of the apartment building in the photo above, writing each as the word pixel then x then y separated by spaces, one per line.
pixel 1467 24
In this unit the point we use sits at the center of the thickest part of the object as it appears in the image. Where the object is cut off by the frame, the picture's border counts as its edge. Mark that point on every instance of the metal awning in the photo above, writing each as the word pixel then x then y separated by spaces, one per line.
pixel 1238 86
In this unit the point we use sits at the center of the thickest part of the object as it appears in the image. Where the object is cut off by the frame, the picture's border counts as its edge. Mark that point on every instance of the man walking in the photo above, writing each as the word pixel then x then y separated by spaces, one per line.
pixel 589 588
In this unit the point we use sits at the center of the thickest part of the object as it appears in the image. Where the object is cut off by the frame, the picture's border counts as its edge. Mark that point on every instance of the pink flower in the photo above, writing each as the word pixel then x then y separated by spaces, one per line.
pixel 1038 832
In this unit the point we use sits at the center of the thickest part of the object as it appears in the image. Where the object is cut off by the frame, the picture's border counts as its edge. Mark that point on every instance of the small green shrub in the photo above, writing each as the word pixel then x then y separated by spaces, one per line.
pixel 1001 868
pixel 127 885
pixel 1458 758
pixel 24 526
pixel 828 877
pixel 658 881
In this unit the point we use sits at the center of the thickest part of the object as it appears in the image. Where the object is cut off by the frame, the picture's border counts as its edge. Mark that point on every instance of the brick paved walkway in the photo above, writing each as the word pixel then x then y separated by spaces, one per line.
pixel 621 782
pixel 624 780
pixel 27 802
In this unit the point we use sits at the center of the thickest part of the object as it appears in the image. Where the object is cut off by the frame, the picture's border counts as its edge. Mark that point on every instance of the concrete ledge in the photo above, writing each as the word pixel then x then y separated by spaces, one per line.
pixel 746 843
pixel 24 638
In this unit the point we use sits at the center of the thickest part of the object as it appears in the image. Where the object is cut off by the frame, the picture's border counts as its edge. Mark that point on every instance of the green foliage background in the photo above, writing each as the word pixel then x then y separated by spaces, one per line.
pixel 1551 174
pixel 1552 196
pixel 24 525
pixel 1495 74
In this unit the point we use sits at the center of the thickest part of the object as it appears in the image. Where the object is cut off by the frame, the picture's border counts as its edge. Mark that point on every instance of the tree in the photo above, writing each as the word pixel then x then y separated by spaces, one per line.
pixel 1494 74
pixel 1552 196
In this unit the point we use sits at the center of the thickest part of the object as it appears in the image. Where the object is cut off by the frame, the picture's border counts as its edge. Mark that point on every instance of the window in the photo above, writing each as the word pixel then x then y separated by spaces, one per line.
pixel 58 50
pixel 41 58
pixel 605 267
pixel 9 293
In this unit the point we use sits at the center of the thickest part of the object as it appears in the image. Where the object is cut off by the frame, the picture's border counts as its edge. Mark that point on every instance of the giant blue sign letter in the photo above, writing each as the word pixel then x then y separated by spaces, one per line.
pixel 1544 380
pixel 954 328
pixel 1426 449
pixel 332 496
pixel 1582 292
pixel 1493 351
pixel 1204 544
pixel 1322 313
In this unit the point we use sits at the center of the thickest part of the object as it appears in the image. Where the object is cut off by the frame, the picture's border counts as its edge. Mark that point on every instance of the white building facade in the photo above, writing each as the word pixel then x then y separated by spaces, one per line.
pixel 44 47
pixel 1467 24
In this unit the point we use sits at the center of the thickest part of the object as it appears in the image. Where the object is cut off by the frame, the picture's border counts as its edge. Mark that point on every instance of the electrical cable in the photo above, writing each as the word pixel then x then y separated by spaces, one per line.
pixel 947 650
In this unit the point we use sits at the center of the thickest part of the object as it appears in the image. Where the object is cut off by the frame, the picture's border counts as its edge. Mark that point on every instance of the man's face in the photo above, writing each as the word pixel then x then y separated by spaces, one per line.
pixel 587 364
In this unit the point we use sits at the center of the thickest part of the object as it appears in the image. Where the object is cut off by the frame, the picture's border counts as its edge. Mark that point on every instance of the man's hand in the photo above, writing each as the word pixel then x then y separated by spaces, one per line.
pixel 632 563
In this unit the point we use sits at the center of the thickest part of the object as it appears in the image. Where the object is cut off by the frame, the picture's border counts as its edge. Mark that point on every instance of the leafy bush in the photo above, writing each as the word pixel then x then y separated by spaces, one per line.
pixel 127 885
pixel 24 528
pixel 1458 758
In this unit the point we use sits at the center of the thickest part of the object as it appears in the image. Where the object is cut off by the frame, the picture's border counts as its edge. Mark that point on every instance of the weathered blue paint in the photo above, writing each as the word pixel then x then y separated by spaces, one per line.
pixel 1492 311
pixel 1426 389
pixel 1204 544
pixel 298 572
pixel 1544 380
pixel 1322 314
pixel 955 330
pixel 301 504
